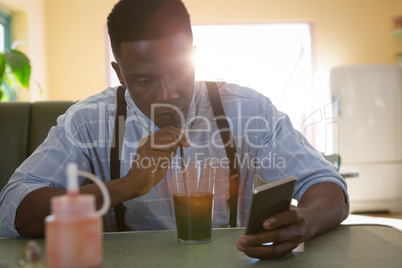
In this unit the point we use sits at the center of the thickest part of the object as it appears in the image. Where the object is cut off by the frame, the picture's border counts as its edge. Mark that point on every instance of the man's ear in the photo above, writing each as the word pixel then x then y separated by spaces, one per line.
pixel 116 68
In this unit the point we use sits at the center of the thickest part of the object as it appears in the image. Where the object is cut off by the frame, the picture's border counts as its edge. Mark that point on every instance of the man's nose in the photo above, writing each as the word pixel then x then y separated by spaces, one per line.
pixel 167 90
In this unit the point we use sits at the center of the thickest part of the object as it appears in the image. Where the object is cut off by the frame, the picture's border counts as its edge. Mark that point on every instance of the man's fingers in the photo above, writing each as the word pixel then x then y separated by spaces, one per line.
pixel 167 142
pixel 181 137
pixel 157 157
pixel 184 141
pixel 285 218
pixel 167 139
pixel 264 252
pixel 273 236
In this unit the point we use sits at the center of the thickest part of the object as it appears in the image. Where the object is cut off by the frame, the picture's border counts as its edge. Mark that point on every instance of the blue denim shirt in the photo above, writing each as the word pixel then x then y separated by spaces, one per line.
pixel 266 142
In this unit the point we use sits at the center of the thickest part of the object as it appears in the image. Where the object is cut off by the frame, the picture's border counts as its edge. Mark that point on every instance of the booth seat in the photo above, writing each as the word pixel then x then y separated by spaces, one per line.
pixel 23 127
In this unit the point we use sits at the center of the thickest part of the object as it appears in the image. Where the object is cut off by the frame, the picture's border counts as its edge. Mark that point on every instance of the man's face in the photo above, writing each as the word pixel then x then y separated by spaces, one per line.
pixel 159 72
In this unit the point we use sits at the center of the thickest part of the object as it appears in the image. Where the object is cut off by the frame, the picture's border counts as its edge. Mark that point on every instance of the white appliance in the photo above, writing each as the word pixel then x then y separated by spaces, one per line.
pixel 369 133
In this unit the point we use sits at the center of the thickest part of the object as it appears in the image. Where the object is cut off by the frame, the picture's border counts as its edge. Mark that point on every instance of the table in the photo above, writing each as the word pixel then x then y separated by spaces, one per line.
pixel 345 246
pixel 347 172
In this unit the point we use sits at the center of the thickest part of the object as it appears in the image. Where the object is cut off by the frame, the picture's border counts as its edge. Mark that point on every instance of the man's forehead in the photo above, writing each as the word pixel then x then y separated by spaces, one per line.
pixel 179 42
pixel 141 45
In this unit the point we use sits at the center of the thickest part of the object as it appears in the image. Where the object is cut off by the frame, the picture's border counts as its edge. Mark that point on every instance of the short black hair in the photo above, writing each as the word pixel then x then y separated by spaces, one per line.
pixel 136 20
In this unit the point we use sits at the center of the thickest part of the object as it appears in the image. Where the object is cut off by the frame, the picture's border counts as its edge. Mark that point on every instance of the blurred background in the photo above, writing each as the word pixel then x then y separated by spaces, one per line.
pixel 332 65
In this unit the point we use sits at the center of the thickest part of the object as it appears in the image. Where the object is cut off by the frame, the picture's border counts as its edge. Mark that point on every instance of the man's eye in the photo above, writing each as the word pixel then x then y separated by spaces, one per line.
pixel 144 81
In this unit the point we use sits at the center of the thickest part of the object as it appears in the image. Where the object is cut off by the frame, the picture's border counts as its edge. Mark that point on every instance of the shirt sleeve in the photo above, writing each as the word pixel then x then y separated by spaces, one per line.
pixel 288 153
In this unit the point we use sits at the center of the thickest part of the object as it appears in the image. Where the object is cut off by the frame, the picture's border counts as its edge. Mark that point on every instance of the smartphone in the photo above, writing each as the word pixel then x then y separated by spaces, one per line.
pixel 268 200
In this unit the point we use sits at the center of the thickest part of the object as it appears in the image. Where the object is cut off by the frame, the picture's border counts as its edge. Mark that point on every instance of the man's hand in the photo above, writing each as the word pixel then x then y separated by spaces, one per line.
pixel 30 215
pixel 321 208
pixel 153 158
pixel 285 231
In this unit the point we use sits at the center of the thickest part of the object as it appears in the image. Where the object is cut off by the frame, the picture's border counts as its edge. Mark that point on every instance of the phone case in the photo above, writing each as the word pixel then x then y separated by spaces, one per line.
pixel 268 200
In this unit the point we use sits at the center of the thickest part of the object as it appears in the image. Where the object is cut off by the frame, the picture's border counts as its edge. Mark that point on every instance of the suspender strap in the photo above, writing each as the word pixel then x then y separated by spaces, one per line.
pixel 230 148
pixel 115 152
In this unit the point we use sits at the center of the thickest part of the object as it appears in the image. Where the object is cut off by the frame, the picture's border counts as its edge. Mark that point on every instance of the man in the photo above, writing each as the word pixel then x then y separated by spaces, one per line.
pixel 166 108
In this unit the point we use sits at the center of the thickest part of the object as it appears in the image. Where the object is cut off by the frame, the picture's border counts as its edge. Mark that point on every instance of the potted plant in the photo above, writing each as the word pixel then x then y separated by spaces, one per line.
pixel 15 72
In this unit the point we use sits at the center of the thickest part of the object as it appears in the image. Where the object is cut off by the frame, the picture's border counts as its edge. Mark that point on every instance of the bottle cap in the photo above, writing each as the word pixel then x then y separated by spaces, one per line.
pixel 76 204
pixel 72 179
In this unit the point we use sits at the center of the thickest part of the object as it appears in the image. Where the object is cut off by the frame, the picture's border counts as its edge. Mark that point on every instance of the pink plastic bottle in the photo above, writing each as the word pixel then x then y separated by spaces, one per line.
pixel 74 229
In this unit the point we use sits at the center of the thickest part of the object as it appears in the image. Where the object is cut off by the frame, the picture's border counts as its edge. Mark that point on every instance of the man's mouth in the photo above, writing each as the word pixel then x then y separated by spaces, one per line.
pixel 170 116
pixel 168 111
pixel 164 115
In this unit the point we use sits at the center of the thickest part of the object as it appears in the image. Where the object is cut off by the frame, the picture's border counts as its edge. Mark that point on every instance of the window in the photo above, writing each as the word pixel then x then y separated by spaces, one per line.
pixel 273 58
pixel 5 21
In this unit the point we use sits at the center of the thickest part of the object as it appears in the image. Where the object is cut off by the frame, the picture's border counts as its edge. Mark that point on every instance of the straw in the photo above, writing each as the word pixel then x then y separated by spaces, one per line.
pixel 182 166
pixel 182 157
pixel 183 169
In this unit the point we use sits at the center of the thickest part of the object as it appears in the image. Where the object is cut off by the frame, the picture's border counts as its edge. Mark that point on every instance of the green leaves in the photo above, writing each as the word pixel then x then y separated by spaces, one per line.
pixel 19 65
pixel 2 69
pixel 15 72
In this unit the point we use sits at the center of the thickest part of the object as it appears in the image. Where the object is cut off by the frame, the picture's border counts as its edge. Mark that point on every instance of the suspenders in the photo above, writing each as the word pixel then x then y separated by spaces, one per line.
pixel 226 135
pixel 115 152
pixel 230 148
